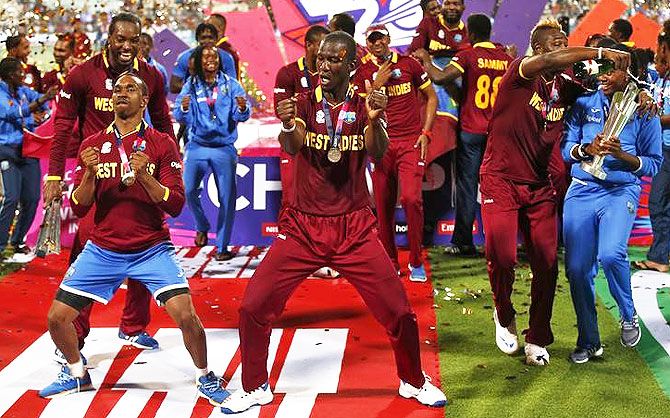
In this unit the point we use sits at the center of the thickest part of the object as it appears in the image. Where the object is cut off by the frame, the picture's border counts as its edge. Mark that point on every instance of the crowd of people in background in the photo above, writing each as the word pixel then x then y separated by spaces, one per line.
pixel 526 129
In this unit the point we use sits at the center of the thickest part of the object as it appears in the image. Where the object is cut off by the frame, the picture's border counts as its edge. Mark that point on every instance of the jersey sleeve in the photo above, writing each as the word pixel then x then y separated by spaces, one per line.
pixel 649 147
pixel 180 69
pixel 517 77
pixel 460 61
pixel 283 86
pixel 302 110
pixel 421 38
pixel 573 132
pixel 419 76
pixel 359 80
pixel 159 111
pixel 170 177
pixel 70 104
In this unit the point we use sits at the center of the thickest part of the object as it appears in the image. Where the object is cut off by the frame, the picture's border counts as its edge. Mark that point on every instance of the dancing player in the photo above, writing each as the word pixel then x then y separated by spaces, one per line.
pixel 401 78
pixel 86 98
pixel 18 47
pixel 516 191
pixel 481 69
pixel 329 222
pixel 130 238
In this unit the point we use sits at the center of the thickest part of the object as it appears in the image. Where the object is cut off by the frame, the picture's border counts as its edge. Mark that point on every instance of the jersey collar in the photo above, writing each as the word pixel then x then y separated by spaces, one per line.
pixel 488 45
pixel 302 64
pixel 394 59
pixel 136 62
pixel 318 93
pixel 110 128
pixel 222 40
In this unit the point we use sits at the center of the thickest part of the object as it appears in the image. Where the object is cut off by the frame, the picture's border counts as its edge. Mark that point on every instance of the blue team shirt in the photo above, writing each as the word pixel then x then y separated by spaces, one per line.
pixel 15 113
pixel 661 93
pixel 217 126
pixel 640 137
pixel 180 69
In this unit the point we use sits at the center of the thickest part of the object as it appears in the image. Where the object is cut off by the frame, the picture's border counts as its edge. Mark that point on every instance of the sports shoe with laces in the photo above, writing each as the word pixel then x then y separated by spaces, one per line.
pixel 141 340
pixel 417 274
pixel 506 338
pixel 66 384
pixel 630 332
pixel 209 387
pixel 428 394
pixel 582 355
pixel 536 355
pixel 240 401
pixel 60 358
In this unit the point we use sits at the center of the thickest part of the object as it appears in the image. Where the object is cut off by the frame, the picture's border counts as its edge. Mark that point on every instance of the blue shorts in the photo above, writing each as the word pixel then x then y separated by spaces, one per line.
pixel 97 273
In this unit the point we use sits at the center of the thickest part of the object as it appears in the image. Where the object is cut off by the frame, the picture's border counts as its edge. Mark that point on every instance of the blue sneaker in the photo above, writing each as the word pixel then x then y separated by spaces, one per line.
pixel 209 387
pixel 417 274
pixel 66 384
pixel 141 340
pixel 60 358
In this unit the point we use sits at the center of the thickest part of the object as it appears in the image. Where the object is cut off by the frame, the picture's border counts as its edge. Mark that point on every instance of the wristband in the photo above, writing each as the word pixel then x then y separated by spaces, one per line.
pixel 582 155
pixel 600 52
pixel 54 178
pixel 291 129
pixel 429 134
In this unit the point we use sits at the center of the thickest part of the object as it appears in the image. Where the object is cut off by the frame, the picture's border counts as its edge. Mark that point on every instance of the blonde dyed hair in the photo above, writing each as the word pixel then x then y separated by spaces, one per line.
pixel 544 24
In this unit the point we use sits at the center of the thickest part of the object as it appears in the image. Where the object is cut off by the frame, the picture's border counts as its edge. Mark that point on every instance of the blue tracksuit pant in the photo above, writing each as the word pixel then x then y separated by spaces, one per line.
pixel 222 161
pixel 597 221
pixel 659 212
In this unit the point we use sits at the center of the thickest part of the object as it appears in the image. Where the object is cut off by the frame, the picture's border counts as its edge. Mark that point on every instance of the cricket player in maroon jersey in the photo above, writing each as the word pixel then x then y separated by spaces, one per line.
pixel 331 131
pixel 63 50
pixel 18 47
pixel 295 78
pixel 86 98
pixel 481 68
pixel 401 78
pixel 132 173
pixel 442 35
pixel 220 23
pixel 346 23
pixel 516 191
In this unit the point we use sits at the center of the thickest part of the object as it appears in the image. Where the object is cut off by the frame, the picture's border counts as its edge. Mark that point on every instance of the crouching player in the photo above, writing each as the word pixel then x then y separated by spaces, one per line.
pixel 130 237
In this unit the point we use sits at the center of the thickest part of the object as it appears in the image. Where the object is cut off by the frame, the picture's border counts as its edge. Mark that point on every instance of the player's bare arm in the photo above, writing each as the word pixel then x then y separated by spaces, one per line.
pixel 561 59
pixel 293 132
pixel 431 109
pixel 448 75
pixel 376 137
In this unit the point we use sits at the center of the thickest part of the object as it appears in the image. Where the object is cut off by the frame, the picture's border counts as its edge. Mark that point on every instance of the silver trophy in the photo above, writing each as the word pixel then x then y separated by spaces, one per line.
pixel 48 241
pixel 621 109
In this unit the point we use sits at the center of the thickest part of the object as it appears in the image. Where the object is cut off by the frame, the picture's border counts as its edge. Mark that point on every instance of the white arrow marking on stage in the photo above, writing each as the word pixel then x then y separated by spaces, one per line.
pixel 227 269
pixel 645 286
pixel 170 369
pixel 191 265
pixel 313 365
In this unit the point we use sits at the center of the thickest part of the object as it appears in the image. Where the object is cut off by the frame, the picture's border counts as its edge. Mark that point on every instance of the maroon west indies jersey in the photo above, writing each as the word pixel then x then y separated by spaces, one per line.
pixel 321 187
pixel 126 220
pixel 526 124
pixel 403 111
pixel 224 45
pixel 434 36
pixel 483 66
pixel 32 77
pixel 87 97
pixel 293 79
pixel 53 78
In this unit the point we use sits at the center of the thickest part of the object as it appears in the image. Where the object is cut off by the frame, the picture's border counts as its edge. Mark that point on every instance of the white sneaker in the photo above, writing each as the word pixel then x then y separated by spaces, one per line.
pixel 536 355
pixel 325 272
pixel 506 338
pixel 428 394
pixel 240 401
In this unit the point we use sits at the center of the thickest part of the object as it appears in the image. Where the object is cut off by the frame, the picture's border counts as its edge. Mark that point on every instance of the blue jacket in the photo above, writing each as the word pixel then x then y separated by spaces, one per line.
pixel 202 128
pixel 15 113
pixel 640 137
pixel 180 69
pixel 661 92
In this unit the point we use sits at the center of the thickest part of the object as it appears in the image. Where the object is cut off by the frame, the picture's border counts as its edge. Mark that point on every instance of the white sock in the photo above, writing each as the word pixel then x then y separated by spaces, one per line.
pixel 201 372
pixel 77 369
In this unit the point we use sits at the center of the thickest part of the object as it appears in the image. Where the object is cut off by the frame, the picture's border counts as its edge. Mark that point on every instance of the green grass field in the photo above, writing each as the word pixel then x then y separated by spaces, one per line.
pixel 481 381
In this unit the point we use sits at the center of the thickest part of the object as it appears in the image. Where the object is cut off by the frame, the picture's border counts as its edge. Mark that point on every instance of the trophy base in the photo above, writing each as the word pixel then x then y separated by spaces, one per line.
pixel 596 172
